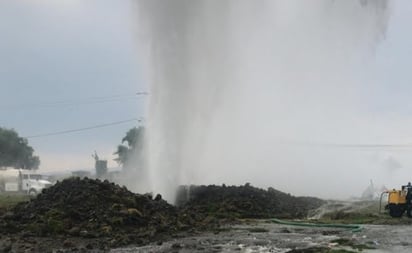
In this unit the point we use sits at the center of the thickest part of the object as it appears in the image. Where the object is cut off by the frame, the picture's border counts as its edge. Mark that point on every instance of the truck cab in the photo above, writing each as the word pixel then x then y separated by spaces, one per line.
pixel 33 184
pixel 22 181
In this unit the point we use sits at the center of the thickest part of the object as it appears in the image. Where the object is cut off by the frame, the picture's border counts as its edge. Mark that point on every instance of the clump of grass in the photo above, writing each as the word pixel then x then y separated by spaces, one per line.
pixel 351 217
pixel 9 201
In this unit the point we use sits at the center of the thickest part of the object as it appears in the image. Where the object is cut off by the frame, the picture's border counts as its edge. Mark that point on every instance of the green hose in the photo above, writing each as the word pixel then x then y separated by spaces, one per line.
pixel 352 227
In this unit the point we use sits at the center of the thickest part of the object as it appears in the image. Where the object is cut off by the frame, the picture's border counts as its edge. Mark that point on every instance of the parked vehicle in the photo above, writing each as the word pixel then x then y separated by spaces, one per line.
pixel 21 181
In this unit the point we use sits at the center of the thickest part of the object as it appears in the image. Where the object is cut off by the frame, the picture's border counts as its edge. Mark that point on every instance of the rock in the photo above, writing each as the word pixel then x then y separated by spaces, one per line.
pixel 84 233
pixel 8 215
pixel 68 243
pixel 176 246
pixel 74 231
pixel 106 230
pixel 158 197
pixel 285 230
pixel 311 250
pixel 135 212
pixel 5 245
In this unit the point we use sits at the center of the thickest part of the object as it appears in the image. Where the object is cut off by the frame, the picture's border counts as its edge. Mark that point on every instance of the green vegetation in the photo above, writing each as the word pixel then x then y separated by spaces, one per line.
pixel 8 201
pixel 359 218
pixel 342 217
pixel 361 212
pixel 15 151
pixel 131 154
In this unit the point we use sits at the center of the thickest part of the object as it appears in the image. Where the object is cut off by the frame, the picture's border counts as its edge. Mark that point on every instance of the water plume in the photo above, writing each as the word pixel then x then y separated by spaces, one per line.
pixel 236 84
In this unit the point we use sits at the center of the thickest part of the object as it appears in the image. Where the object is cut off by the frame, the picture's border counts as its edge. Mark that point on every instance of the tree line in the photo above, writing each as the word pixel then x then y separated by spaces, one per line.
pixel 16 152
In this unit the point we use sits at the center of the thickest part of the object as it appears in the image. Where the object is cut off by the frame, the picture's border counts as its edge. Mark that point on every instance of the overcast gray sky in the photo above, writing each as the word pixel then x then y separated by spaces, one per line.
pixel 56 57
pixel 73 51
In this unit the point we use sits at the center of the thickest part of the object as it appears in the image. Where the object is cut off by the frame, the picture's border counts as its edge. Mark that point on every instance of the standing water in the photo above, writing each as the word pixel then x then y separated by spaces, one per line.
pixel 239 87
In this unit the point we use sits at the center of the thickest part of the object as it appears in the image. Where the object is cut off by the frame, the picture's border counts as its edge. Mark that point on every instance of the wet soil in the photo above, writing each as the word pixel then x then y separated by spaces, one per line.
pixel 244 202
pixel 87 214
pixel 98 216
pixel 264 236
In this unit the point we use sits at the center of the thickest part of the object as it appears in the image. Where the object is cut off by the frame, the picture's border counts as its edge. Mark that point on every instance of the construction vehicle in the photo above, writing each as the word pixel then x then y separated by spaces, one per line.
pixel 399 201
pixel 21 181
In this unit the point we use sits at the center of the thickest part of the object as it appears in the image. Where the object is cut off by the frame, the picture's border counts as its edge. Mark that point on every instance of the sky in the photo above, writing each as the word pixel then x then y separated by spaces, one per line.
pixel 72 64
pixel 67 65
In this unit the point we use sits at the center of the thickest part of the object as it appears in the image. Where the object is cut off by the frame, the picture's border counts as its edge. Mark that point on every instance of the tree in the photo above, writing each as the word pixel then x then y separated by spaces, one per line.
pixel 15 151
pixel 129 155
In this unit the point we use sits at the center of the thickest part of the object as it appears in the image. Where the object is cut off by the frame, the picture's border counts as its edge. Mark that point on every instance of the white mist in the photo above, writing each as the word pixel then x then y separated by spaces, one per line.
pixel 237 86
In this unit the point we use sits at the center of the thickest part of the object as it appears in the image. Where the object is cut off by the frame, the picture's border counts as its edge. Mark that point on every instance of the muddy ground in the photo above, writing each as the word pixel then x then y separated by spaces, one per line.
pixel 93 215
pixel 264 236
pixel 248 237
pixel 98 216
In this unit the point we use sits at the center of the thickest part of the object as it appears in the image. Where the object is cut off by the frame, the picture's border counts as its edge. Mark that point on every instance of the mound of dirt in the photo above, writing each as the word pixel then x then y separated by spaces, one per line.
pixel 94 209
pixel 79 211
pixel 246 201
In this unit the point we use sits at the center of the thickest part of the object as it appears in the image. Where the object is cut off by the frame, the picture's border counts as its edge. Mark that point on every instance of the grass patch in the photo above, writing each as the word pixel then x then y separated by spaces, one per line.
pixel 360 212
pixel 362 218
pixel 342 217
pixel 9 201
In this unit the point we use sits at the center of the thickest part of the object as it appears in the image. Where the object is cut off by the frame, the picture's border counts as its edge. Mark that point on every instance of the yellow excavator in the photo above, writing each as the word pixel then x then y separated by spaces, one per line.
pixel 399 201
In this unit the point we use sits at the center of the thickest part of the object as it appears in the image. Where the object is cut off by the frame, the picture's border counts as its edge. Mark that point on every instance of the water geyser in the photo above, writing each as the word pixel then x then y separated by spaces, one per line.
pixel 236 85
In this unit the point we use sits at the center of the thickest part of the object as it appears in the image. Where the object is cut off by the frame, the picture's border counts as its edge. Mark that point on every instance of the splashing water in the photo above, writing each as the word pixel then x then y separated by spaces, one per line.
pixel 235 84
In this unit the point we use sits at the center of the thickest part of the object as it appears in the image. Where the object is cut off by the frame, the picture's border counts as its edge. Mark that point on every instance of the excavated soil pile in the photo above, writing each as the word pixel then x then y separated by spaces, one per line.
pixel 94 209
pixel 198 202
pixel 99 214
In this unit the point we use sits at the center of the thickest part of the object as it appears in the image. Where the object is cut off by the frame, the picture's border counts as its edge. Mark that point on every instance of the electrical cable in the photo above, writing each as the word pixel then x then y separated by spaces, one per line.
pixel 81 129
pixel 347 145
pixel 76 102
pixel 337 145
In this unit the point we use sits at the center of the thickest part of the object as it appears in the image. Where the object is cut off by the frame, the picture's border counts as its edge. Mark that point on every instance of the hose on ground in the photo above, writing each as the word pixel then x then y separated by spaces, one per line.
pixel 354 228
pixel 380 200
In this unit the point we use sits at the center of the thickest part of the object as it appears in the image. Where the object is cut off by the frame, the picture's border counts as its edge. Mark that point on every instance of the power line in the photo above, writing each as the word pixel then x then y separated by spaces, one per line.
pixel 350 145
pixel 68 104
pixel 82 129
pixel 336 145
pixel 79 101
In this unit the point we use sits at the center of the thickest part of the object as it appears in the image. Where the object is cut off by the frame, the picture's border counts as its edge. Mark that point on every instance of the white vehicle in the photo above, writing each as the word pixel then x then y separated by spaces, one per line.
pixel 21 181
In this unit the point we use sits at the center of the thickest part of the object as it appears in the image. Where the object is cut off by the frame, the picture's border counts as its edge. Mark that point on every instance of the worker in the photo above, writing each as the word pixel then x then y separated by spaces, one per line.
pixel 409 193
